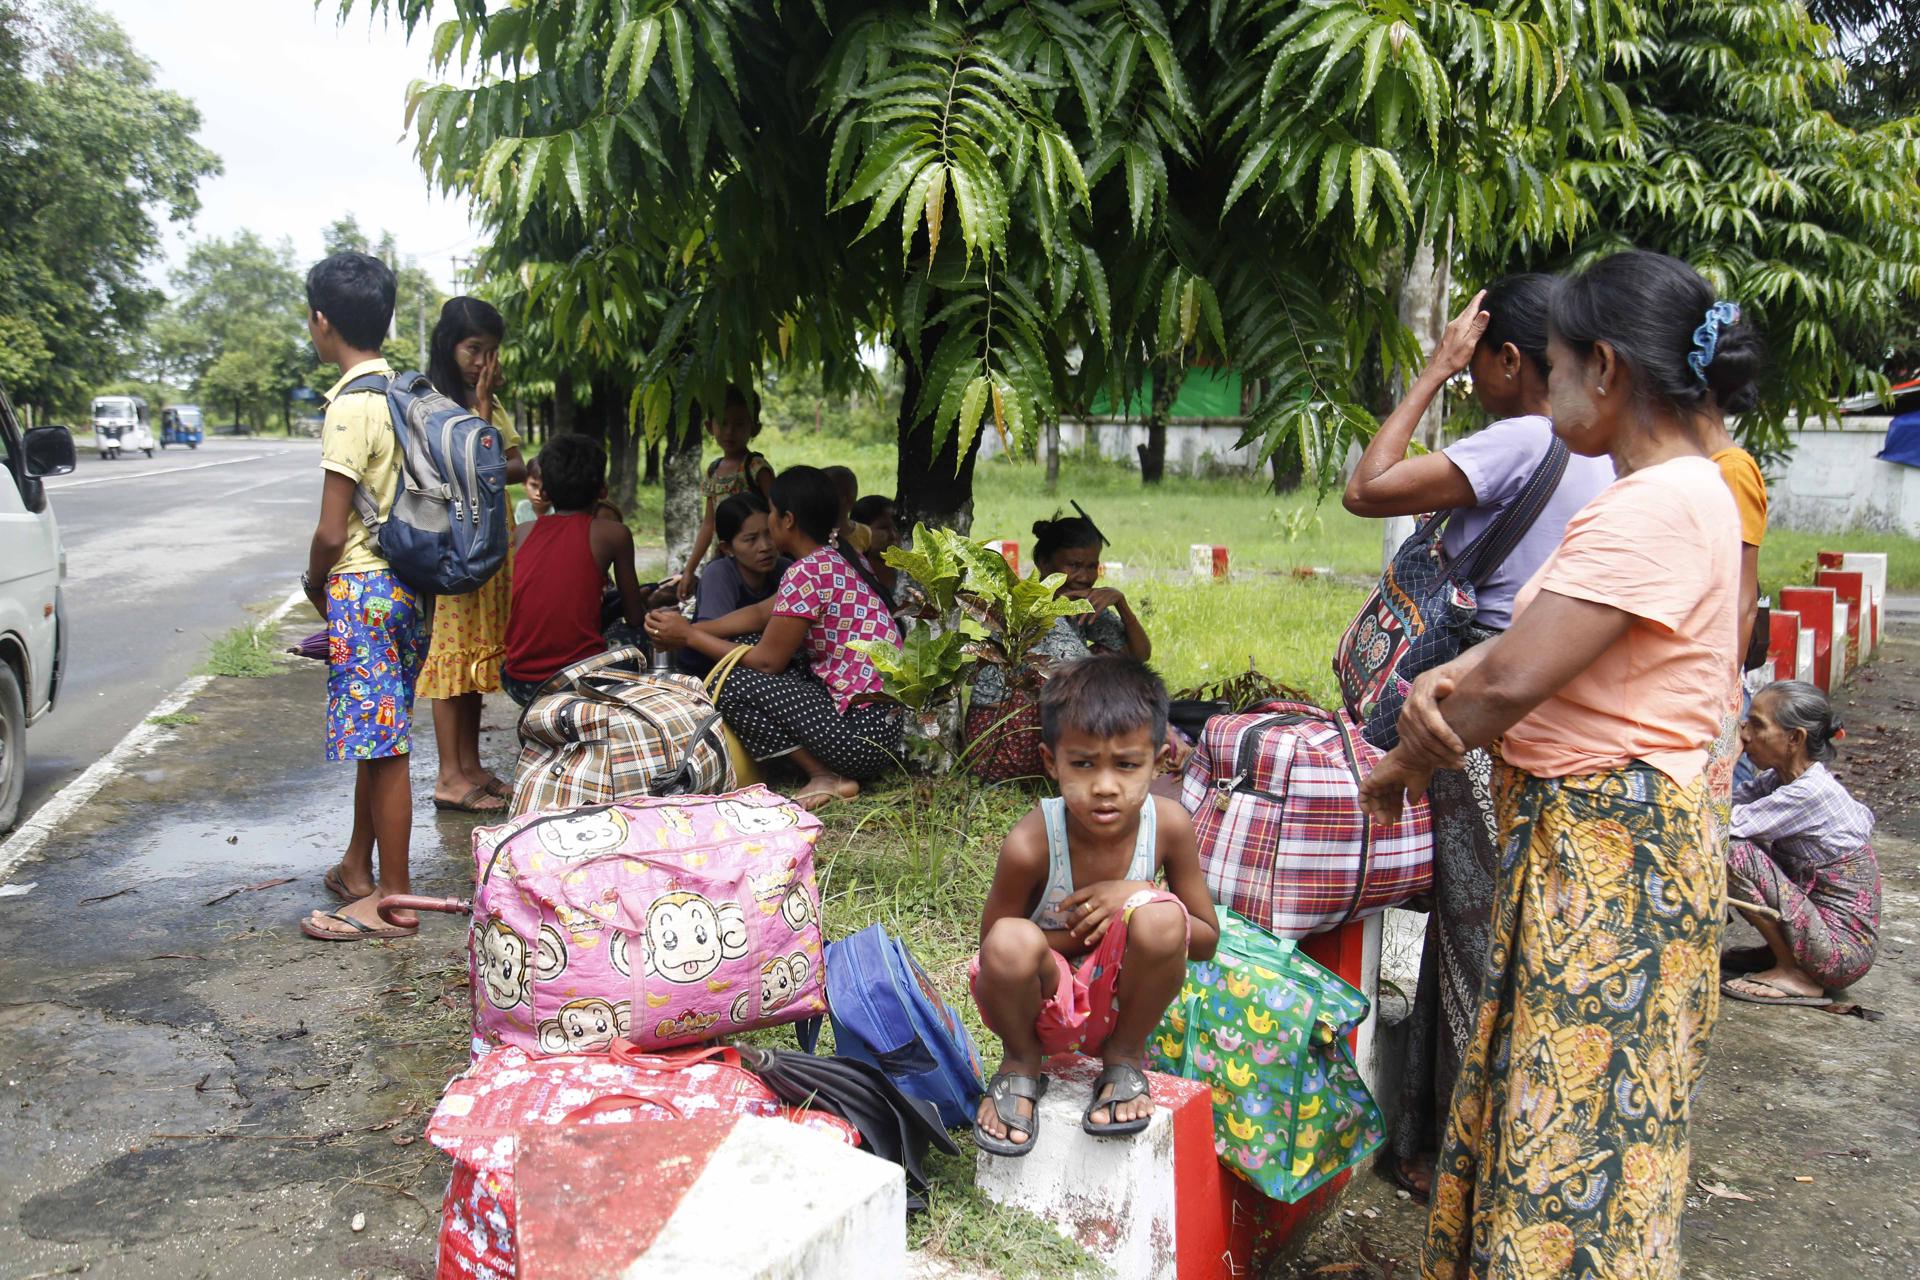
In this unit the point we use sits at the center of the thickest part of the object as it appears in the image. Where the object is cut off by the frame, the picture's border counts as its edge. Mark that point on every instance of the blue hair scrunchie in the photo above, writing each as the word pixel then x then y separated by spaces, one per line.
pixel 1706 339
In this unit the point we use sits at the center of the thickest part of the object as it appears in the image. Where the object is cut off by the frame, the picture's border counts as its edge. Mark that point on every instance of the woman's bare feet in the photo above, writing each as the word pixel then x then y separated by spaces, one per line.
pixel 823 789
pixel 1788 981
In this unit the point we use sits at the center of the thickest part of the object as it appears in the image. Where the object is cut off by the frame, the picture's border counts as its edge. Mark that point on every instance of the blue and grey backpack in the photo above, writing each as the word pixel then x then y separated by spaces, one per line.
pixel 885 1011
pixel 447 531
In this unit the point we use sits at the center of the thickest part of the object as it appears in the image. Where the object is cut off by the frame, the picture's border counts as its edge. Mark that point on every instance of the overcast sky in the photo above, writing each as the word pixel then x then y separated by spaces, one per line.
pixel 306 115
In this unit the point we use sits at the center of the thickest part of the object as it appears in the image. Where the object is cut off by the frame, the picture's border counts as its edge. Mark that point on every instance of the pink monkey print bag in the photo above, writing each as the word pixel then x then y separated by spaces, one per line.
pixel 663 921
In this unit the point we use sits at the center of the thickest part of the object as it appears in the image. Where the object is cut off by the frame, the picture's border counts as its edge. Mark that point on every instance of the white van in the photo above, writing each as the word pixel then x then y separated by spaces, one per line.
pixel 33 630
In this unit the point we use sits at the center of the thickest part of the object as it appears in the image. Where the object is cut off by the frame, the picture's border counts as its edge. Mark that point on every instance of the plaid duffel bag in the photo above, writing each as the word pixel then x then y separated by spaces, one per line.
pixel 1275 797
pixel 596 733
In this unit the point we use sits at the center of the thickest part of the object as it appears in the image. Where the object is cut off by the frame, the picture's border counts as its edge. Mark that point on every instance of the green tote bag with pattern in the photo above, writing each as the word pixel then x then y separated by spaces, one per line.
pixel 1267 1027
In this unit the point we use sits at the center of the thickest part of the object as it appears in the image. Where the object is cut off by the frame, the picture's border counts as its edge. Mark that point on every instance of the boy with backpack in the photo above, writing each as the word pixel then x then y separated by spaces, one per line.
pixel 1081 950
pixel 377 628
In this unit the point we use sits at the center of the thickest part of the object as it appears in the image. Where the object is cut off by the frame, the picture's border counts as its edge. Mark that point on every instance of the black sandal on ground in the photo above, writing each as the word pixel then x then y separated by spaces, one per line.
pixel 1746 959
pixel 1124 1082
pixel 1006 1091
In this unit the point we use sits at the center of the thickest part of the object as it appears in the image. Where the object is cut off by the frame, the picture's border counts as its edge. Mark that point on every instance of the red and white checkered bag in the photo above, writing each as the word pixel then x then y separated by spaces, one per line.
pixel 1275 798
pixel 510 1091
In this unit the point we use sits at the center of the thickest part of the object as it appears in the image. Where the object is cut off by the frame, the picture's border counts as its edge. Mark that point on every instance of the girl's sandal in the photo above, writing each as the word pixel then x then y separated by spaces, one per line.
pixel 1007 1090
pixel 497 786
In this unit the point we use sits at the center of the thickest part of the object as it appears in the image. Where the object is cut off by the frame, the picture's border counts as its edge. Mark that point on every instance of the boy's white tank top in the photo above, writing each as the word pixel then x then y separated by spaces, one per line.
pixel 1053 810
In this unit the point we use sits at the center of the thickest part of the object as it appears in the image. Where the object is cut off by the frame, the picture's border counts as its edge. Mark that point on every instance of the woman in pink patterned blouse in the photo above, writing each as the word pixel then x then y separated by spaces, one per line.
pixel 798 691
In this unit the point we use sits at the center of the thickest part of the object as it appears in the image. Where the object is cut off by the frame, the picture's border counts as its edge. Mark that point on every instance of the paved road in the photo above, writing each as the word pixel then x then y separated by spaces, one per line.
pixel 162 556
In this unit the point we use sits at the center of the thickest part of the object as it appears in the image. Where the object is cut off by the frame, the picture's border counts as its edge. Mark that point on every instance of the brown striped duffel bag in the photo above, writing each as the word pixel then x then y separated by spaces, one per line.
pixel 596 733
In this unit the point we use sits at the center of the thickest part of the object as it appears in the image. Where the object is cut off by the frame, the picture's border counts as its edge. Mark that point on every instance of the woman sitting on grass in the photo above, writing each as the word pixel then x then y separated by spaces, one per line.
pixel 747 570
pixel 1800 868
pixel 809 712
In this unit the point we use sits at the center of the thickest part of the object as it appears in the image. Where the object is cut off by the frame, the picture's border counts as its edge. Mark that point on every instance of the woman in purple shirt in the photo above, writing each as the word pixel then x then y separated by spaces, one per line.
pixel 1501 339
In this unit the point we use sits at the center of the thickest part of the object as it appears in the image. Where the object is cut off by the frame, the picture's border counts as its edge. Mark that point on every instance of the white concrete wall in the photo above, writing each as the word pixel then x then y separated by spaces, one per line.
pixel 1189 448
pixel 1833 482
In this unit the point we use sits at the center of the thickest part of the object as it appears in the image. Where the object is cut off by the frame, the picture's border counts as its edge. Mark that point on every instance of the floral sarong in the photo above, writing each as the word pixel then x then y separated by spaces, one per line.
pixel 1566 1151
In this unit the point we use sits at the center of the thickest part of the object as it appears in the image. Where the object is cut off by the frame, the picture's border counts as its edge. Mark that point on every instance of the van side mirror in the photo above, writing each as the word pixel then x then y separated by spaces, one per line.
pixel 48 451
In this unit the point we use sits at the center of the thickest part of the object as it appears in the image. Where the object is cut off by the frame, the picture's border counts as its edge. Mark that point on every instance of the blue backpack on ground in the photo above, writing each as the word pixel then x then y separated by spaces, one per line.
pixel 885 1011
pixel 447 531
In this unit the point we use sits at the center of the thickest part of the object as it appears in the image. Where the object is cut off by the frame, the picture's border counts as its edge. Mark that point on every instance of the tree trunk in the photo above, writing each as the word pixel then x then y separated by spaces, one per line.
pixel 1053 454
pixel 681 508
pixel 1423 309
pixel 932 486
pixel 1287 471
pixel 652 476
pixel 563 410
pixel 1166 388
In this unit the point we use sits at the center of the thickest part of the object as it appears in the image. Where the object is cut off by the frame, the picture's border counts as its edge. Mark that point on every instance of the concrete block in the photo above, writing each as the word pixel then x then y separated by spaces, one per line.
pixel 1783 644
pixel 1851 588
pixel 1803 657
pixel 1815 607
pixel 1842 642
pixel 1125 1200
pixel 1872 568
pixel 1009 551
pixel 1207 560
pixel 735 1196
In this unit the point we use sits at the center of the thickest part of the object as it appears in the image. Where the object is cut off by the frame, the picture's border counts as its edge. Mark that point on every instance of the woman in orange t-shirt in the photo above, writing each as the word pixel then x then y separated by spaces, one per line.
pixel 1567 1149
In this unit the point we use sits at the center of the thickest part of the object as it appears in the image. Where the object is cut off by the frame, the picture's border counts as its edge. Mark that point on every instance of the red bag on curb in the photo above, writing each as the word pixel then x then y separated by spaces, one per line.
pixel 510 1091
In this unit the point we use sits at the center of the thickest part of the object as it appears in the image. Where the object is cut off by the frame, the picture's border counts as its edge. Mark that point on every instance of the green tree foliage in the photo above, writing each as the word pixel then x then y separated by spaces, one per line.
pixel 1880 40
pixel 1726 160
pixel 416 298
pixel 92 154
pixel 1032 201
pixel 235 334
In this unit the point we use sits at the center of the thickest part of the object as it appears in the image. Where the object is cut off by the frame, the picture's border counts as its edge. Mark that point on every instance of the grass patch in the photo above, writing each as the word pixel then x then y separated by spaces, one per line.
pixel 173 720
pixel 1787 557
pixel 245 652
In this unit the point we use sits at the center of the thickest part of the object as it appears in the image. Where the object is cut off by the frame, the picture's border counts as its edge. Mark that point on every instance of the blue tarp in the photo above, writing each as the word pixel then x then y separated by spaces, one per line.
pixel 1903 441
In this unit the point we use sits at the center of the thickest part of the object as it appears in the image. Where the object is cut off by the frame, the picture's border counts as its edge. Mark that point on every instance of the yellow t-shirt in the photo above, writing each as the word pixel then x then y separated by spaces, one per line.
pixel 1742 475
pixel 357 442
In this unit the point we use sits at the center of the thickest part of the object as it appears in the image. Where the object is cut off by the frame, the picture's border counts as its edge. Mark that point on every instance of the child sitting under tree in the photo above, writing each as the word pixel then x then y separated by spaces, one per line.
pixel 1077 882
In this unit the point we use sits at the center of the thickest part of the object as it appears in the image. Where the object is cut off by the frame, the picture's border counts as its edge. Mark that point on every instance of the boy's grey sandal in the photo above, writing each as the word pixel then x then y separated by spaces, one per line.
pixel 1006 1091
pixel 1128 1083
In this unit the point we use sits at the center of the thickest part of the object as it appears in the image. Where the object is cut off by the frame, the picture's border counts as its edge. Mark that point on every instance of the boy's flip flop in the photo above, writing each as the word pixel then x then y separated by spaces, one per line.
pixel 1126 1082
pixel 362 932
pixel 1732 991
pixel 471 802
pixel 1006 1091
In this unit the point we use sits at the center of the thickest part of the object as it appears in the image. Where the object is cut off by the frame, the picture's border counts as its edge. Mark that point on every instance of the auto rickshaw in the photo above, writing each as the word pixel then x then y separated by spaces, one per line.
pixel 120 423
pixel 182 424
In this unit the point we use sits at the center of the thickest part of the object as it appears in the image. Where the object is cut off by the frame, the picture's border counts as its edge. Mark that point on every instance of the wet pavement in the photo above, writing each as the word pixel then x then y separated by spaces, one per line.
pixel 189 1088
pixel 163 554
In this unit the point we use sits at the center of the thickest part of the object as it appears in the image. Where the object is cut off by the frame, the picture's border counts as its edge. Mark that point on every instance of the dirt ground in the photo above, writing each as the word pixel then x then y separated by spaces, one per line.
pixel 189 1088
pixel 1807 1124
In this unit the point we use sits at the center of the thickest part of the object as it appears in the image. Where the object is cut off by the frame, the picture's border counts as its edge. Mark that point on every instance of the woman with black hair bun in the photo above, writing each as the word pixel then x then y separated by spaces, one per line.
pixel 469 631
pixel 1501 339
pixel 798 690
pixel 1602 979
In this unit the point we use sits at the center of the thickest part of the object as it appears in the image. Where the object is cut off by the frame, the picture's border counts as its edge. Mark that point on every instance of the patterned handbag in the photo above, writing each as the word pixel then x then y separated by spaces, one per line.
pixel 1267 1028
pixel 508 1093
pixel 595 734
pixel 1416 616
pixel 1275 798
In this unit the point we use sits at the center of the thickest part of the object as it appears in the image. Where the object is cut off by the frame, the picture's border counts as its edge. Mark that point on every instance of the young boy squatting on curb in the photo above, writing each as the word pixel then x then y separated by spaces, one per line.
pixel 1090 969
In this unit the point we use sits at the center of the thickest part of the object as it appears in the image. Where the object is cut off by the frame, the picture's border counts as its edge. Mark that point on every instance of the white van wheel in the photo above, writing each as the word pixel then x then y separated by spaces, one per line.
pixel 13 746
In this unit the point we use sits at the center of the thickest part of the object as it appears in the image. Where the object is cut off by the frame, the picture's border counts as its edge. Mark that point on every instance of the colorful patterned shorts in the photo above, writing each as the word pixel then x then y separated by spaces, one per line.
pixel 377 637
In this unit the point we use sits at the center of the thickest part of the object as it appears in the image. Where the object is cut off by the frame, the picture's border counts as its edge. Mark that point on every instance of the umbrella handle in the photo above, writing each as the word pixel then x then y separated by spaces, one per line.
pixel 631 1054
pixel 414 902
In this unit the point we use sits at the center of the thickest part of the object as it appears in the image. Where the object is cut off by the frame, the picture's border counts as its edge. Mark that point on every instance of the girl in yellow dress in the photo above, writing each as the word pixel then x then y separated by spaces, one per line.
pixel 469 631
